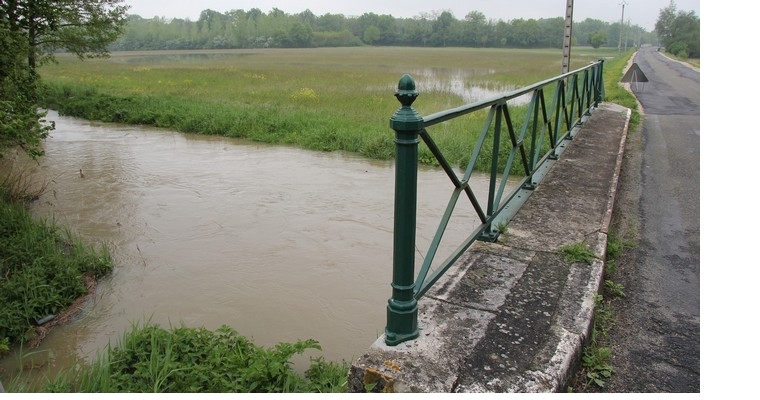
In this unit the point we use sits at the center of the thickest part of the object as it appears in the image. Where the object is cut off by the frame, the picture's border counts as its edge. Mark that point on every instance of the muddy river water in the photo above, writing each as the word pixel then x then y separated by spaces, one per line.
pixel 278 243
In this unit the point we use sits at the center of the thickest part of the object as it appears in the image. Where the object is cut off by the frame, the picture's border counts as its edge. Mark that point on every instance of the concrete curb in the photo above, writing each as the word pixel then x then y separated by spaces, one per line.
pixel 616 177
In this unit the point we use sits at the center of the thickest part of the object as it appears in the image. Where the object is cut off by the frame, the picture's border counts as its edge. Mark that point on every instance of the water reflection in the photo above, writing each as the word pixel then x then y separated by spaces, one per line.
pixel 459 82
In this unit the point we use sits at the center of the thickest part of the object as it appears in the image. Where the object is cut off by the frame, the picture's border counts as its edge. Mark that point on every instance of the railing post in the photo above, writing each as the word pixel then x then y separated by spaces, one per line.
pixel 402 306
pixel 599 93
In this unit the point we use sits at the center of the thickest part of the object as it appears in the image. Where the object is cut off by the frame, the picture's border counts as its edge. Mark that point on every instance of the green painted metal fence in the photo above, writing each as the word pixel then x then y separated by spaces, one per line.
pixel 531 147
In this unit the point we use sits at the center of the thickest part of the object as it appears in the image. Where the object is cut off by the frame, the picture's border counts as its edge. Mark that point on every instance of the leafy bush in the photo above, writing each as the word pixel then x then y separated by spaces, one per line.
pixel 43 270
pixel 197 360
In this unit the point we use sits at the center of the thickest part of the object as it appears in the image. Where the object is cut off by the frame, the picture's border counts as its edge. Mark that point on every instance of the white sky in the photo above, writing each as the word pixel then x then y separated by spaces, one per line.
pixel 639 12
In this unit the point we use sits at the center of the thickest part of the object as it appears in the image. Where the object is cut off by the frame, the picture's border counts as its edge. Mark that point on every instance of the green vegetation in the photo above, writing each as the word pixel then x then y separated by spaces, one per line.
pixel 43 268
pixel 502 227
pixel 577 252
pixel 678 31
pixel 597 39
pixel 19 117
pixel 266 96
pixel 596 362
pixel 254 28
pixel 152 359
pixel 30 32
pixel 615 92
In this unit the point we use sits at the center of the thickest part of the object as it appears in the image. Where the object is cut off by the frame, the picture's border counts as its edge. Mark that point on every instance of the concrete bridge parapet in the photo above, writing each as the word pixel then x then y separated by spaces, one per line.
pixel 513 316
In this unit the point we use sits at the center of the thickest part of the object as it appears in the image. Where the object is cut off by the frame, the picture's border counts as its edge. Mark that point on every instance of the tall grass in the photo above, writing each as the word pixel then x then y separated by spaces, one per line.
pixel 616 92
pixel 43 269
pixel 152 359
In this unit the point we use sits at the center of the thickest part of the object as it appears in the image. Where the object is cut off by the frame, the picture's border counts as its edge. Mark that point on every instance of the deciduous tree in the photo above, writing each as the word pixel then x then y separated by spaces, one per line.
pixel 597 39
pixel 678 31
pixel 30 32
pixel 20 122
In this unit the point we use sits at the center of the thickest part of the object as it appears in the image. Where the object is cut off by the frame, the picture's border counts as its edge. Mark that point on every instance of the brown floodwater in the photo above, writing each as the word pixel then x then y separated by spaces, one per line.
pixel 278 243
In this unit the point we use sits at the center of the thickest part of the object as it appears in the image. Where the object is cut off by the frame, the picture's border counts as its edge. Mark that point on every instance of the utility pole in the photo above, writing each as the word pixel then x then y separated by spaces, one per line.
pixel 620 39
pixel 567 45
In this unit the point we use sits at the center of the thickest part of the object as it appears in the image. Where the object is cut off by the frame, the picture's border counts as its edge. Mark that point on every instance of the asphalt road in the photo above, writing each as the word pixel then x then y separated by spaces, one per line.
pixel 656 336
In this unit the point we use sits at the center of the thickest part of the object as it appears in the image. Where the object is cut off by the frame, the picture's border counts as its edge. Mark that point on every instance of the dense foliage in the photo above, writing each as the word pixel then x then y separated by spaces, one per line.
pixel 30 32
pixel 678 31
pixel 237 29
pixel 19 118
pixel 152 359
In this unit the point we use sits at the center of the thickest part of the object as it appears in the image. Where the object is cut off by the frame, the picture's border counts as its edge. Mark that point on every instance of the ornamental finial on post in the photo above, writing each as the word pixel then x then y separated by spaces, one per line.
pixel 406 117
pixel 407 91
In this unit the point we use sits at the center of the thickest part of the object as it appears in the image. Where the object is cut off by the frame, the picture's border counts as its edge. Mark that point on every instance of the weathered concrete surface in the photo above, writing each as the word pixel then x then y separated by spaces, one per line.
pixel 513 316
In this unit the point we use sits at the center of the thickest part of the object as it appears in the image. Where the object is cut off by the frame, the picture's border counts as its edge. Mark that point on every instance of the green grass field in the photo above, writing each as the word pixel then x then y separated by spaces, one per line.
pixel 322 99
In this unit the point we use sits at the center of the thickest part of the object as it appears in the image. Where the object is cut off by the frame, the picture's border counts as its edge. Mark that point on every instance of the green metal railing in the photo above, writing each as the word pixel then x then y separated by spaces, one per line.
pixel 535 145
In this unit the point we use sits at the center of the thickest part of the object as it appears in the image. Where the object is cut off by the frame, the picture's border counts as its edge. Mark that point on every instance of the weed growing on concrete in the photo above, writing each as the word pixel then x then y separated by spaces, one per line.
pixel 614 288
pixel 596 363
pixel 577 252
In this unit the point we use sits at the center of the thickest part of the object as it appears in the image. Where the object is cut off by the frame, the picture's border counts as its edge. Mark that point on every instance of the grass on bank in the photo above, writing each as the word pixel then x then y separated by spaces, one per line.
pixel 152 359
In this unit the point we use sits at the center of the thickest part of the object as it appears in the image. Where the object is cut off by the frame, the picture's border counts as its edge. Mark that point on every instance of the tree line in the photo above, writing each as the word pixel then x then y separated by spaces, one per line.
pixel 254 28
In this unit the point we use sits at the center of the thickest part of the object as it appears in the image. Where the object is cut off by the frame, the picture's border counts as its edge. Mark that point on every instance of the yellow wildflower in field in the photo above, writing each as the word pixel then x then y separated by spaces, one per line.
pixel 305 94
pixel 254 76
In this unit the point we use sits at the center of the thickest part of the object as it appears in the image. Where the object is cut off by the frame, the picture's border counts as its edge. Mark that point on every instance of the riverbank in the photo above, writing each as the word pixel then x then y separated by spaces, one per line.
pixel 48 270
pixel 129 363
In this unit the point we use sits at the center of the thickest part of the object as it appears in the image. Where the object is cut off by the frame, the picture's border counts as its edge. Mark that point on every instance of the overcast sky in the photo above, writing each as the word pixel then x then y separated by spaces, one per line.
pixel 638 12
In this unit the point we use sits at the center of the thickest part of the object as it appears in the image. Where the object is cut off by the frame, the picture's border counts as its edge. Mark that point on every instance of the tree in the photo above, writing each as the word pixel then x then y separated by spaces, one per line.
pixel 475 29
pixel 597 39
pixel 442 27
pixel 82 27
pixel 678 31
pixel 300 35
pixel 20 122
pixel 331 23
pixel 371 34
pixel 525 33
pixel 30 31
